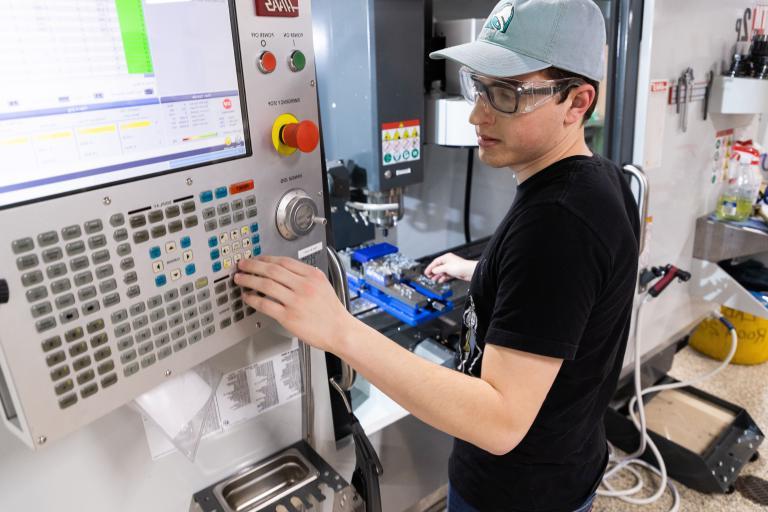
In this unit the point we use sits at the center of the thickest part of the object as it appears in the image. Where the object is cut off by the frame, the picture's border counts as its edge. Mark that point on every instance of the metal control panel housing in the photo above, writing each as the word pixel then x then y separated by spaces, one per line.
pixel 117 287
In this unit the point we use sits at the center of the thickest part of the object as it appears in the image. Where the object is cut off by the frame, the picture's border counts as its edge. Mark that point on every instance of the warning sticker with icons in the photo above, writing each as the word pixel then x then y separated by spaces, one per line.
pixel 400 142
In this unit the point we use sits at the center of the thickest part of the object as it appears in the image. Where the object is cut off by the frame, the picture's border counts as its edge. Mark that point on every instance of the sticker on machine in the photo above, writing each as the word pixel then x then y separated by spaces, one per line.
pixel 401 142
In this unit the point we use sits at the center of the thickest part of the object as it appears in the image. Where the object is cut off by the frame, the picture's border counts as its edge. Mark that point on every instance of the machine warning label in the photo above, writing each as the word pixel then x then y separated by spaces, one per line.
pixel 401 142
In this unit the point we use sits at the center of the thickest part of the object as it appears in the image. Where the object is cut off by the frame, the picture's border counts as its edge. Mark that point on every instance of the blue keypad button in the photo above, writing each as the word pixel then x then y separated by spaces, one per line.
pixel 255 227
pixel 206 196
pixel 190 269
pixel 213 242
pixel 256 251
pixel 221 192
pixel 186 242
pixel 256 239
pixel 215 254
pixel 161 280
pixel 217 266
pixel 155 253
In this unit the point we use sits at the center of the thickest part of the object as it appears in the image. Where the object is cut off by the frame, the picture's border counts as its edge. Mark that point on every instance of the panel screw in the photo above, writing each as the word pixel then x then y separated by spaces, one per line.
pixel 189 181
pixel 107 201
pixel 42 440
pixel 388 175
pixel 311 83
pixel 168 373
pixel 258 325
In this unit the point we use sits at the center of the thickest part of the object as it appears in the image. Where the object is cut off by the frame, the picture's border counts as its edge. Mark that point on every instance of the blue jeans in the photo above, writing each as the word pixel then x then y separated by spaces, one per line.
pixel 457 504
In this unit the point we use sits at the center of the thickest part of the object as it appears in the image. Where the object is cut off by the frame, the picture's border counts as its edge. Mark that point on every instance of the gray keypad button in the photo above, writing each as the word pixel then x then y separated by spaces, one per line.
pixel 79 263
pixel 53 254
pixel 180 345
pixel 86 376
pixel 250 201
pixel 89 390
pixel 102 353
pixel 99 340
pixel 91 307
pixel 223 209
pixel 32 278
pixel 110 300
pixel 203 295
pixel 159 328
pixel 211 225
pixel 225 323
pixel 249 311
pixel 74 334
pixel 155 216
pixel 86 293
pixel 76 350
pixel 95 326
pixel 93 226
pixel 56 271
pixel 209 331
pixel 69 315
pixel 127 264
pixel 155 302
pixel 188 207
pixel 60 286
pixel 137 221
pixel 130 278
pixel 205 307
pixel 65 301
pixel 252 212
pixel 36 294
pixel 159 231
pixel 137 309
pixel 238 316
pixel 140 322
pixel 225 220
pixel 163 340
pixel 239 217
pixel 100 257
pixel 220 287
pixel 125 343
pixel 187 289
pixel 145 348
pixel 127 357
pixel 176 320
pixel 156 314
pixel 237 305
pixel 237 204
pixel 140 237
pixel 190 222
pixel 175 226
pixel 148 360
pixel 107 286
pixel 27 262
pixel 195 337
pixel 105 271
pixel 209 213
pixel 83 278
pixel 51 343
pixel 188 301
pixel 172 211
pixel 68 401
pixel 59 373
pixel 64 387
pixel 119 316
pixel 173 308
pixel 236 293
pixel 48 238
pixel 190 314
pixel 171 295
pixel 120 235
pixel 144 335
pixel 164 352
pixel 97 242
pixel 117 220
pixel 177 333
pixel 75 248
pixel 41 309
pixel 221 300
pixel 22 245
pixel 131 369
pixel 122 330
pixel 207 319
pixel 71 232
pixel 109 380
pixel 123 250
pixel 105 367
pixel 193 325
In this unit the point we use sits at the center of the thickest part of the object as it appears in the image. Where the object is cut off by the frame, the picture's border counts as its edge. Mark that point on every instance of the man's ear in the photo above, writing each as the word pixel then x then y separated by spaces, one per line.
pixel 581 99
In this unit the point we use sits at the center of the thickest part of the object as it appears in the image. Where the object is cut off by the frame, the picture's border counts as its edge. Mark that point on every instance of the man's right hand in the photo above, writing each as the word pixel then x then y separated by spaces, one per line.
pixel 449 266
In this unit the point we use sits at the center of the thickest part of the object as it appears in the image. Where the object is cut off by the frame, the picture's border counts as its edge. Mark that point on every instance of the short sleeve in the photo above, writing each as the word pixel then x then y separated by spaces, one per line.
pixel 550 270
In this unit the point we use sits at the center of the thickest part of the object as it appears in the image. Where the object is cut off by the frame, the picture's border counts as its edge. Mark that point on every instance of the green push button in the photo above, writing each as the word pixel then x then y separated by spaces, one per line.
pixel 298 61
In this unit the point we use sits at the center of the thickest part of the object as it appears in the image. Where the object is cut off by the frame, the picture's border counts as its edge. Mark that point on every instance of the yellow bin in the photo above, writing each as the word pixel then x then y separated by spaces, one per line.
pixel 713 339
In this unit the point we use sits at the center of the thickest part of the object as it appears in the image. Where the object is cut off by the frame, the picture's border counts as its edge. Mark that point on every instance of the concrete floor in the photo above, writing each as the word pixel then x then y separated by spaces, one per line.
pixel 746 386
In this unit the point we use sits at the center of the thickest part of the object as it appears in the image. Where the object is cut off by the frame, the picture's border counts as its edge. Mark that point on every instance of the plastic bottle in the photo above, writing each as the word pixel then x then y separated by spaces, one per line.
pixel 735 203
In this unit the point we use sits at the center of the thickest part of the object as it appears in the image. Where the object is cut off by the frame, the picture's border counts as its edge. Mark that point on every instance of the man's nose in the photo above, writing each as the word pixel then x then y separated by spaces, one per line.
pixel 482 113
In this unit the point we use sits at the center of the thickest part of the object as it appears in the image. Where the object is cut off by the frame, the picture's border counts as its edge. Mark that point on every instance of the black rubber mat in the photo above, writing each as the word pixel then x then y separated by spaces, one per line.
pixel 753 488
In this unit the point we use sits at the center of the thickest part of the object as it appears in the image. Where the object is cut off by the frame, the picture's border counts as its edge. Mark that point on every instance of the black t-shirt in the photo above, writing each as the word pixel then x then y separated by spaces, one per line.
pixel 557 279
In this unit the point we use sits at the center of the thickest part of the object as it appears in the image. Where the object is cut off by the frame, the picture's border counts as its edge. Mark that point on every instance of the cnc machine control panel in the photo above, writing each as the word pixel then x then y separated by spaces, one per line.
pixel 146 148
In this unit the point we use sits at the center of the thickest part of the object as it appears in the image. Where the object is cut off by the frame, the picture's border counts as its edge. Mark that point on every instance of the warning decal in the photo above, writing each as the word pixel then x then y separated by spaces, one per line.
pixel 400 142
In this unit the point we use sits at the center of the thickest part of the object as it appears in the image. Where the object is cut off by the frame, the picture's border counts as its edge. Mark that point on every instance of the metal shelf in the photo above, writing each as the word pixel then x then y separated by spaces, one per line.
pixel 717 241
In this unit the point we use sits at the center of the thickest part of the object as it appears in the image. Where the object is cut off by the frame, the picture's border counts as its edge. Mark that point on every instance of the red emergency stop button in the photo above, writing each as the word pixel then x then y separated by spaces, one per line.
pixel 304 136
pixel 267 62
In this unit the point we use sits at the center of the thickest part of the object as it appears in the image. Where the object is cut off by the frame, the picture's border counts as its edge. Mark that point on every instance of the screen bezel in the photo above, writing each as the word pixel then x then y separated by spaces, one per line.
pixel 246 133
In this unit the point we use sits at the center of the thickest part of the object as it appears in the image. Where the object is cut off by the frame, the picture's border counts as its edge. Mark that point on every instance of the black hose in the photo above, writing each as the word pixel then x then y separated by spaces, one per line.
pixel 468 194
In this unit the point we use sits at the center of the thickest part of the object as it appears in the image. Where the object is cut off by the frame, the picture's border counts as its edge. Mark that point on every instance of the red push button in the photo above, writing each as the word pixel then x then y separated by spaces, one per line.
pixel 304 136
pixel 267 62
pixel 239 188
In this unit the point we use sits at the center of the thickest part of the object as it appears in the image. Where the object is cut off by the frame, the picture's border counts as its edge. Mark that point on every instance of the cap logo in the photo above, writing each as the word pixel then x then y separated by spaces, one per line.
pixel 501 20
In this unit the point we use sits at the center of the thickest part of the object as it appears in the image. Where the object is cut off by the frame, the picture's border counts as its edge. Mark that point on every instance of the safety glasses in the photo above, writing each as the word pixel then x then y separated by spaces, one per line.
pixel 510 97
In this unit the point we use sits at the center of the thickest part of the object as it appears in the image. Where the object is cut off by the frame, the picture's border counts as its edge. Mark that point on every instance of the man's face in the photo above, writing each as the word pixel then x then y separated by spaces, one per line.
pixel 513 141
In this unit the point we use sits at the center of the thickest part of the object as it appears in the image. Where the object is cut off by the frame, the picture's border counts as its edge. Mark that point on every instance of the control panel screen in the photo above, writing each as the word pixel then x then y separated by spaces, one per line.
pixel 95 92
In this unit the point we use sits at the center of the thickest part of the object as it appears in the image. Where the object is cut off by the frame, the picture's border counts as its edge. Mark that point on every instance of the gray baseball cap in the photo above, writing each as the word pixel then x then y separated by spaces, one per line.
pixel 523 36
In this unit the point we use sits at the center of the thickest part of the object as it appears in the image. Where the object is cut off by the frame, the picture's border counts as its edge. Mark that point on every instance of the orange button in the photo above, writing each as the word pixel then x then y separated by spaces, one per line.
pixel 239 188
pixel 304 136
pixel 267 62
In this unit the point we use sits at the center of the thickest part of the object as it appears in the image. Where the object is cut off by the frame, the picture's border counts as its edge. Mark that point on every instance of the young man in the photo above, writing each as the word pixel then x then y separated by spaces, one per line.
pixel 547 319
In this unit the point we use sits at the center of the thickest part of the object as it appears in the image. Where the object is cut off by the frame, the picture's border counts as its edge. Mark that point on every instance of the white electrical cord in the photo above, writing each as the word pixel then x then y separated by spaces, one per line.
pixel 625 464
